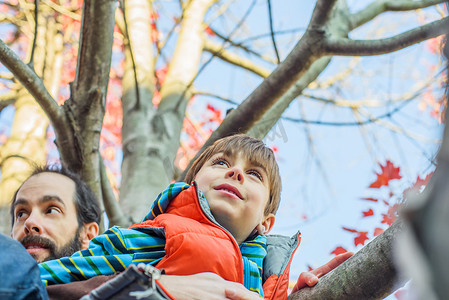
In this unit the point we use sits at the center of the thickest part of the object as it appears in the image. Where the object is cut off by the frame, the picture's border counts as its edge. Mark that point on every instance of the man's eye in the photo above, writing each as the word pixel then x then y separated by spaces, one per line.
pixel 256 174
pixel 53 210
pixel 21 214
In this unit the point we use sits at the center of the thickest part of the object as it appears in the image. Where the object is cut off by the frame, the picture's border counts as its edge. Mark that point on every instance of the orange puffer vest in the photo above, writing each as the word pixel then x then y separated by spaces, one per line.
pixel 210 247
pixel 195 244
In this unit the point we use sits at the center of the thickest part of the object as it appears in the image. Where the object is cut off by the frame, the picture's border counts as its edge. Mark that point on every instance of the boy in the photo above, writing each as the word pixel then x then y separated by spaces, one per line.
pixel 217 224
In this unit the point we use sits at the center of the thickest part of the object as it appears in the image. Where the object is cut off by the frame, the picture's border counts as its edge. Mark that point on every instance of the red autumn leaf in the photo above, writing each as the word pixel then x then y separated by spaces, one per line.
pixel 391 215
pixel 378 231
pixel 216 114
pixel 350 230
pixel 370 199
pixel 388 172
pixel 161 73
pixel 401 294
pixel 156 98
pixel 418 185
pixel 433 45
pixel 361 238
pixel 339 250
pixel 154 33
pixel 209 31
pixel 368 213
pixel 309 268
pixel 4 8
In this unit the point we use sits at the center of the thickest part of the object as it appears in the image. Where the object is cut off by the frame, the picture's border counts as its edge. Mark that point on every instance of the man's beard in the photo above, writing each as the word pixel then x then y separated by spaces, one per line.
pixel 67 250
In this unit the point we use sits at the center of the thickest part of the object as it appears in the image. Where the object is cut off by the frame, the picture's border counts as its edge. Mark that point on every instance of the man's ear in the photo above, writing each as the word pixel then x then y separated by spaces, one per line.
pixel 267 223
pixel 89 231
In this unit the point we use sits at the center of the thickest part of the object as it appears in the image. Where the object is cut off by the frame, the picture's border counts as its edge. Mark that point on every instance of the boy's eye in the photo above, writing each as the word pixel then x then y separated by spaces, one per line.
pixel 221 162
pixel 256 174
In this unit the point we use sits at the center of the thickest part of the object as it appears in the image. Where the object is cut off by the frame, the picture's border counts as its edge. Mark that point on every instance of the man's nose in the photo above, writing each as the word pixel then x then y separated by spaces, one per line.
pixel 33 224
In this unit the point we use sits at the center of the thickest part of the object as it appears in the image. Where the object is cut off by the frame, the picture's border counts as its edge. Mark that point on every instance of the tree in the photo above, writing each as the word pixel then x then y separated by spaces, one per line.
pixel 151 131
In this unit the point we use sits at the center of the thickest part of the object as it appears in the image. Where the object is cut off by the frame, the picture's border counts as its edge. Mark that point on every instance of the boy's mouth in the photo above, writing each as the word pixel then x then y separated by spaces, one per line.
pixel 230 189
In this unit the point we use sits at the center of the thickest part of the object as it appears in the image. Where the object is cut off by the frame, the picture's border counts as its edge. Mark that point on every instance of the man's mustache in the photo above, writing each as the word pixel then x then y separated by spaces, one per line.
pixel 38 241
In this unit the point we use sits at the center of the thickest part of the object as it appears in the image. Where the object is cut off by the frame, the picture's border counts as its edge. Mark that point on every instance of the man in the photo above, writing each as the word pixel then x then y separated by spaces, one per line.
pixel 54 214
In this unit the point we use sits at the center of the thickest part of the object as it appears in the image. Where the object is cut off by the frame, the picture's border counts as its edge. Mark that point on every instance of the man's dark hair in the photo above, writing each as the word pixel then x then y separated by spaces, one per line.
pixel 87 205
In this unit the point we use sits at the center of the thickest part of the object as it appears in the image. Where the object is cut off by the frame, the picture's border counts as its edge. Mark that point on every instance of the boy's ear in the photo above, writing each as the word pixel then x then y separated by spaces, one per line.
pixel 89 231
pixel 265 226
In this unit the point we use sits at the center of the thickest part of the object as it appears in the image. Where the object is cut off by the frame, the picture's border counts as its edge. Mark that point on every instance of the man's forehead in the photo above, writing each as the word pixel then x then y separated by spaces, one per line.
pixel 45 185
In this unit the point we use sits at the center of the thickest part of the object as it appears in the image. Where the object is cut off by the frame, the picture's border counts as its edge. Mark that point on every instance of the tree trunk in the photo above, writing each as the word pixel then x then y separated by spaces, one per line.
pixel 369 274
pixel 26 146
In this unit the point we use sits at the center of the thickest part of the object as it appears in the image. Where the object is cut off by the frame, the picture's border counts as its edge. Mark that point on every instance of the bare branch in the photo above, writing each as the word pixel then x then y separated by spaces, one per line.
pixel 348 47
pixel 217 50
pixel 36 24
pixel 243 47
pixel 215 96
pixel 113 210
pixel 272 32
pixel 358 277
pixel 31 82
pixel 7 99
pixel 62 10
pixel 321 13
pixel 376 8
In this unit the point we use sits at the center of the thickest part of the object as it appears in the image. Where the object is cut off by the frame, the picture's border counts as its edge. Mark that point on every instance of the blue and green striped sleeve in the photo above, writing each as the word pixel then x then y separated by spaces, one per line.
pixel 107 254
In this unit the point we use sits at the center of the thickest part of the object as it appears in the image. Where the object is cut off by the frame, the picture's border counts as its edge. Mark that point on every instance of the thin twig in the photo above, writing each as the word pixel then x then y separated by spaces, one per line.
pixel 248 11
pixel 36 23
pixel 137 106
pixel 270 17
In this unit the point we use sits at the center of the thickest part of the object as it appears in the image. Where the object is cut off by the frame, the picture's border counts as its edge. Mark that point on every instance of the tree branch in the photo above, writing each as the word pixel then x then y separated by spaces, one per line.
pixel 217 50
pixel 376 8
pixel 112 207
pixel 369 274
pixel 321 12
pixel 36 24
pixel 348 47
pixel 245 48
pixel 7 99
pixel 33 83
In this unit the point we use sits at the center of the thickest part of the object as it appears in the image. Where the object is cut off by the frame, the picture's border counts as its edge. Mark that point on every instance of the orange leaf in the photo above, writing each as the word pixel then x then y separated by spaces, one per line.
pixel 350 230
pixel 391 215
pixel 339 250
pixel 388 172
pixel 378 231
pixel 361 238
pixel 370 199
pixel 209 31
pixel 418 185
pixel 368 213
pixel 401 294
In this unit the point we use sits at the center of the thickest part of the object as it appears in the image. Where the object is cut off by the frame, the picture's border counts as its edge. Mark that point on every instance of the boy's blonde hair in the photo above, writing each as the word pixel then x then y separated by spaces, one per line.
pixel 253 150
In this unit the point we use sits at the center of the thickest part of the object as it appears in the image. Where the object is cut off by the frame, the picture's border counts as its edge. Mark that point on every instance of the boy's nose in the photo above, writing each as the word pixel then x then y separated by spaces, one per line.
pixel 236 174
